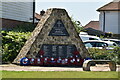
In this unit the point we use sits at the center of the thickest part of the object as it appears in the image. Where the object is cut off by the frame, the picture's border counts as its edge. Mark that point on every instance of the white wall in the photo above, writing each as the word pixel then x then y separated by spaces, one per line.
pixel 0 9
pixel 101 20
pixel 111 21
pixel 21 11
pixel 119 22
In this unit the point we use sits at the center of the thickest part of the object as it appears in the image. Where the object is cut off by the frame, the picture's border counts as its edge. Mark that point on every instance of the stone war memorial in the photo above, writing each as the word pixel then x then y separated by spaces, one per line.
pixel 54 41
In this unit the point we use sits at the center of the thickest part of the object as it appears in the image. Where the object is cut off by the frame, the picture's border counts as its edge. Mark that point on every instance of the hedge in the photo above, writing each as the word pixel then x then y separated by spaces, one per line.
pixel 103 54
pixel 12 42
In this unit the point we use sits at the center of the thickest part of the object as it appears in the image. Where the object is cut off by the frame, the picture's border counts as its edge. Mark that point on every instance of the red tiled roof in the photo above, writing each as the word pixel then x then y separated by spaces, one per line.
pixel 112 6
pixel 93 24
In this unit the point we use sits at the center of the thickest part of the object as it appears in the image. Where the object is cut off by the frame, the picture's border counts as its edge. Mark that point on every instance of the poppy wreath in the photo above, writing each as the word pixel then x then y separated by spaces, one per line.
pixel 78 61
pixel 76 52
pixel 76 56
pixel 41 52
pixel 39 61
pixel 47 61
pixel 32 61
pixel 35 61
pixel 55 61
pixel 24 61
pixel 52 61
pixel 81 61
pixel 63 61
pixel 74 61
pixel 66 61
pixel 59 61
pixel 70 61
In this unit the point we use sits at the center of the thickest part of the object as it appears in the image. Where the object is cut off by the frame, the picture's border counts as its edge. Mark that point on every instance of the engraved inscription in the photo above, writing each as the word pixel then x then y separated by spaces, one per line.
pixel 57 51
pixel 58 29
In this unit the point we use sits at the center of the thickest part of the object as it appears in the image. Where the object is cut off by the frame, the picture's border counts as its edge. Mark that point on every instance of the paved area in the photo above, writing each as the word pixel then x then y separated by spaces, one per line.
pixel 13 67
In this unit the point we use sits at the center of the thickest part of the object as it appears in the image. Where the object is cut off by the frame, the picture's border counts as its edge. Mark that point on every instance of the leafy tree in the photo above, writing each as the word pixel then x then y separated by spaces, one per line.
pixel 78 26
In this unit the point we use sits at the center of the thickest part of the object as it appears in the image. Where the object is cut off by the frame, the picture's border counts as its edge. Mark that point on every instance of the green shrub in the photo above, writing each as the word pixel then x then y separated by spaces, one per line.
pixel 12 42
pixel 103 54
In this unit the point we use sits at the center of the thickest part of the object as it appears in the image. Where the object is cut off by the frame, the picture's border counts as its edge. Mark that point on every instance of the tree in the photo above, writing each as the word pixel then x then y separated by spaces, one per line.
pixel 78 26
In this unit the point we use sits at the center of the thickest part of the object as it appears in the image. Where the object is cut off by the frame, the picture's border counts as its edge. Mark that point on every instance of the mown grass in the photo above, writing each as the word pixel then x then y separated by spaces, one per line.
pixel 58 74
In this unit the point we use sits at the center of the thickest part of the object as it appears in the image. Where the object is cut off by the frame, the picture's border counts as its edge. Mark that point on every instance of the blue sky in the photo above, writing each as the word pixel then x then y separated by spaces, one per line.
pixel 81 11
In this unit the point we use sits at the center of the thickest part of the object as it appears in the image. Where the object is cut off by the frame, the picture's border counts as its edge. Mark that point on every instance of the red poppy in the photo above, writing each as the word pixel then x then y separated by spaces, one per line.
pixel 41 52
pixel 48 61
pixel 76 52
pixel 81 61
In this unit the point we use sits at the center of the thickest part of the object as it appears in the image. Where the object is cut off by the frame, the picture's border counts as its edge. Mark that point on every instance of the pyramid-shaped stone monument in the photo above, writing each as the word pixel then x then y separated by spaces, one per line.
pixel 54 38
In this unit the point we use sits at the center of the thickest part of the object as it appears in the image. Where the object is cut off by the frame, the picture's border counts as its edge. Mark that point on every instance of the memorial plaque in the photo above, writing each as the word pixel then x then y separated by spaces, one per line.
pixel 57 51
pixel 47 50
pixel 70 49
pixel 62 51
pixel 54 51
pixel 58 29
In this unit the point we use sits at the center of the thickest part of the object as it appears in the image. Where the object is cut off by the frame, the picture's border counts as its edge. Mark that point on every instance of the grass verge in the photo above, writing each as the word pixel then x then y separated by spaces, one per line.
pixel 58 74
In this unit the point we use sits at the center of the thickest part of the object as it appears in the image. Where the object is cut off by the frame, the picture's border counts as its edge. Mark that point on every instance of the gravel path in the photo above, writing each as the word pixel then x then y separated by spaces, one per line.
pixel 13 67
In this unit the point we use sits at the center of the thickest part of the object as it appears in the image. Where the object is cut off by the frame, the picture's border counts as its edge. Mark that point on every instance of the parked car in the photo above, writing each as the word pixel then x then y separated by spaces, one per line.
pixel 100 44
pixel 89 37
pixel 83 33
pixel 113 40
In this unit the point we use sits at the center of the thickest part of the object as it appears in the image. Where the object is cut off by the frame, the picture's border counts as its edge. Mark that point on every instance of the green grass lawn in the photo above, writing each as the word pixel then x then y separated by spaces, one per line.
pixel 58 74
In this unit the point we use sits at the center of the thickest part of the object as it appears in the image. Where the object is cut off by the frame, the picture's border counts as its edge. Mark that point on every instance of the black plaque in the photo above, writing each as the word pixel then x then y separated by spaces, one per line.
pixel 58 29
pixel 57 51
pixel 62 51
pixel 54 51
pixel 70 50
pixel 47 50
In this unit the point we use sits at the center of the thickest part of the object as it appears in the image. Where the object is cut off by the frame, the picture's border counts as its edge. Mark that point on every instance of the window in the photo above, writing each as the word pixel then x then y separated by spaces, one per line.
pixel 88 45
pixel 93 39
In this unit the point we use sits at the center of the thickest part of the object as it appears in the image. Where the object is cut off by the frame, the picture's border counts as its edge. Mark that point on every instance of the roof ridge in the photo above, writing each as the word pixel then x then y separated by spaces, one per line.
pixel 106 6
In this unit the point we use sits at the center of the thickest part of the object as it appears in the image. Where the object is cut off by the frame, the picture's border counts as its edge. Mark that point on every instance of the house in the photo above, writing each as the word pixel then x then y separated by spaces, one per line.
pixel 93 28
pixel 15 13
pixel 93 24
pixel 109 17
